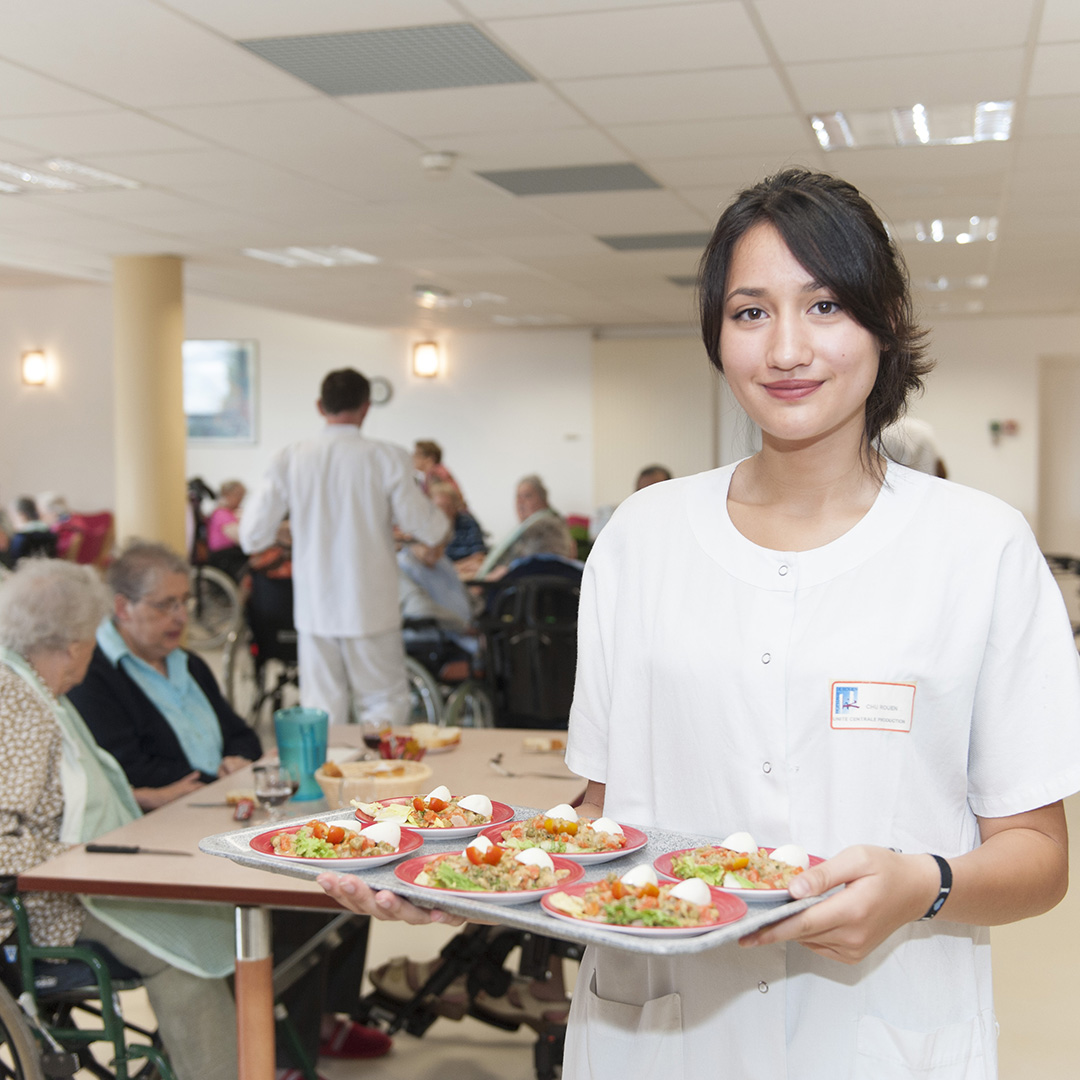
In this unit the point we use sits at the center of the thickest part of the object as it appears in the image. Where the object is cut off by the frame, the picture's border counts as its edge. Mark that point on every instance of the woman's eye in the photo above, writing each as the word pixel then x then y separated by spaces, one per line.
pixel 826 307
pixel 750 314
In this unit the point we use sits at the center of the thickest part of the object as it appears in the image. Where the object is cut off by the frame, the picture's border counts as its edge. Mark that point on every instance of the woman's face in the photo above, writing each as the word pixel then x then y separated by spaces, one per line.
pixel 153 625
pixel 799 365
pixel 72 670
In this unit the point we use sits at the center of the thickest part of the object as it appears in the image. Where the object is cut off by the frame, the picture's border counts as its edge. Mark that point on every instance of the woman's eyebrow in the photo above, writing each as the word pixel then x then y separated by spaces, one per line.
pixel 746 290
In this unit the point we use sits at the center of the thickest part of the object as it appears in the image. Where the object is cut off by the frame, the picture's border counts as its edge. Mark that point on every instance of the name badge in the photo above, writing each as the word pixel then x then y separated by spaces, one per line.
pixel 872 706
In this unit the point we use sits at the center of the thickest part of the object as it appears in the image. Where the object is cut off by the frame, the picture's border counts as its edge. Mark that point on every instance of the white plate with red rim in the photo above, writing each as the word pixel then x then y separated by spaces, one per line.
pixel 411 841
pixel 635 841
pixel 500 814
pixel 729 909
pixel 662 865
pixel 408 872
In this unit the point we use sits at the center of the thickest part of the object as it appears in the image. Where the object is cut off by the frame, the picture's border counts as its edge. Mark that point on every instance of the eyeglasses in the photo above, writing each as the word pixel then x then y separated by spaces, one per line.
pixel 173 605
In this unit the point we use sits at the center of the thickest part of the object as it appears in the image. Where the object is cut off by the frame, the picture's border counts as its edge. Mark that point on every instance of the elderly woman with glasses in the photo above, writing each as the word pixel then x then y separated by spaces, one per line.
pixel 59 788
pixel 154 706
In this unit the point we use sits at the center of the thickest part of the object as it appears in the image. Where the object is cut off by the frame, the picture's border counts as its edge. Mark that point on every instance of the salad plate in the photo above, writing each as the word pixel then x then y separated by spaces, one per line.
pixel 728 909
pixel 500 813
pixel 663 866
pixel 264 844
pixel 408 872
pixel 635 841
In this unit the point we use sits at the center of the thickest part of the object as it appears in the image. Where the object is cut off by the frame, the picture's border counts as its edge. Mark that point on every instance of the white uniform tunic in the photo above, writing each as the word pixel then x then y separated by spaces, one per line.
pixel 883 689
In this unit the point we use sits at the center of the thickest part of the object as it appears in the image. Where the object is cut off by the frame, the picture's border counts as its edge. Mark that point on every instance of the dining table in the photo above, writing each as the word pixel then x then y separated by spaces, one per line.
pixel 492 761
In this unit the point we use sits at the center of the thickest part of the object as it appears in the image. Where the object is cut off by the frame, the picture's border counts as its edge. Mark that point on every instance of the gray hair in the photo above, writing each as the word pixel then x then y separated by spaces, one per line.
pixel 548 536
pixel 140 564
pixel 49 604
pixel 534 481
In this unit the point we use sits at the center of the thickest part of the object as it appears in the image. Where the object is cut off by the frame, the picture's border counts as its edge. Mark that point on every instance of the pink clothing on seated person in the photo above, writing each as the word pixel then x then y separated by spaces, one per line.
pixel 216 537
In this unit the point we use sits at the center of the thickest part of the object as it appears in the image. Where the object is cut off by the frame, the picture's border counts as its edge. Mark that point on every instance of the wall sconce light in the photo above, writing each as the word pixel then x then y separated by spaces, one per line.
pixel 425 359
pixel 35 368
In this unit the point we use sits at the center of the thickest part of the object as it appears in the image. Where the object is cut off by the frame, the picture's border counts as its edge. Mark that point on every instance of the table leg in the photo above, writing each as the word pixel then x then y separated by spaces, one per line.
pixel 254 994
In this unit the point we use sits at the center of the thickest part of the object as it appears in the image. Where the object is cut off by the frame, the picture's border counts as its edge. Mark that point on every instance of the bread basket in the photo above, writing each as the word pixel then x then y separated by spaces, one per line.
pixel 370 780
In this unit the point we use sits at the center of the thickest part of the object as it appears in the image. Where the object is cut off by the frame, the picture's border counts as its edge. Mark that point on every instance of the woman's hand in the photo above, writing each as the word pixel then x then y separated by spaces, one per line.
pixel 884 890
pixel 150 798
pixel 232 763
pixel 352 893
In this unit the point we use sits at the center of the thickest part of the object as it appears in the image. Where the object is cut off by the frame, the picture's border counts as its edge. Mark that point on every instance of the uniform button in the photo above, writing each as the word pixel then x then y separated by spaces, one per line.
pixel 766 657
pixel 766 766
pixel 783 571
pixel 763 987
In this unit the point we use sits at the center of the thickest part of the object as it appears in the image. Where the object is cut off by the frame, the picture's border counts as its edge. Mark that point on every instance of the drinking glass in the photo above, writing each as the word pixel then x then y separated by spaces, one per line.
pixel 275 785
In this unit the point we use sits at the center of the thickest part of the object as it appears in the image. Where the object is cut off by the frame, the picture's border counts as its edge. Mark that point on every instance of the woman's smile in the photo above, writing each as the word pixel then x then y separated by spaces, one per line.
pixel 792 389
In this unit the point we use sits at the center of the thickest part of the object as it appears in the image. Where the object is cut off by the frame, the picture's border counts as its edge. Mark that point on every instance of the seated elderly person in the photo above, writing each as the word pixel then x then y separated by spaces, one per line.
pixel 223 530
pixel 60 789
pixel 31 536
pixel 467 539
pixel 154 706
pixel 541 531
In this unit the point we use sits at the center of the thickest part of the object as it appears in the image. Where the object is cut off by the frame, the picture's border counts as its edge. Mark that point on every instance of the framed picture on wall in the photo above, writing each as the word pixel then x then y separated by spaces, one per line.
pixel 219 390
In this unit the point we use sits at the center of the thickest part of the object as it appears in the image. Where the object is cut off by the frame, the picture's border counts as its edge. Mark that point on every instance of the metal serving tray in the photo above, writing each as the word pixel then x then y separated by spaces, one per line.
pixel 532 917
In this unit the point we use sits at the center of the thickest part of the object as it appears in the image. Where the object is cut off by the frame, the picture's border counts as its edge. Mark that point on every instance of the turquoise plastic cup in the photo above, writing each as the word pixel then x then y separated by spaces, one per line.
pixel 301 743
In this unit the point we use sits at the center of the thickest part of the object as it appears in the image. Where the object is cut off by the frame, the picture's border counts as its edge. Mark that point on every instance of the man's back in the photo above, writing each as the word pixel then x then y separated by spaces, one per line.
pixel 343 493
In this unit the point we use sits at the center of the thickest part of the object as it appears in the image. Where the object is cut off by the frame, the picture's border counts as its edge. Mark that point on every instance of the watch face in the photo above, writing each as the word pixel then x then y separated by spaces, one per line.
pixel 381 390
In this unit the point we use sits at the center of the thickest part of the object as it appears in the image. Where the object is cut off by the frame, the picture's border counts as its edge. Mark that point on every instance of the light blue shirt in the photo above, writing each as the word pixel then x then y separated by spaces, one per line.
pixel 177 696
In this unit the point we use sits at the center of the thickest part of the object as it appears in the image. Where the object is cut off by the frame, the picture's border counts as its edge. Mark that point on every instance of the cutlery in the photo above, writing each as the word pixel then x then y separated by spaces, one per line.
pixel 499 767
pixel 130 849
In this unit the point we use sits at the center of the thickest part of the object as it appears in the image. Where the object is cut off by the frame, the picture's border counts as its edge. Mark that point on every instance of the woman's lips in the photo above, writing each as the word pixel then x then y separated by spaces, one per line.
pixel 792 389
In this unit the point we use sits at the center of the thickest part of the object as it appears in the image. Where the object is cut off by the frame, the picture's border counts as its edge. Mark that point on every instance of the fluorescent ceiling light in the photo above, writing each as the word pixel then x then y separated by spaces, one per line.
pixel 31 178
pixel 87 176
pixel 972 281
pixel 969 230
pixel 917 125
pixel 293 257
pixel 10 189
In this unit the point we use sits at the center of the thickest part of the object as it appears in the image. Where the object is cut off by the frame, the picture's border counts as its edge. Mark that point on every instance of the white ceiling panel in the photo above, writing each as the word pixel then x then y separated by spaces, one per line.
pixel 892 81
pixel 729 172
pixel 525 149
pixel 283 18
pixel 1060 21
pixel 684 37
pixel 472 217
pixel 159 59
pixel 695 95
pixel 1052 116
pixel 617 212
pixel 176 167
pixel 467 110
pixel 499 9
pixel 25 93
pixel 569 244
pixel 112 132
pixel 1056 69
pixel 853 29
pixel 763 135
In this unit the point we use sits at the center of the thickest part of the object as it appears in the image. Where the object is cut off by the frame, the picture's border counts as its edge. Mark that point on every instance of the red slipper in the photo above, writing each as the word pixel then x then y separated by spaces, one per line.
pixel 352 1040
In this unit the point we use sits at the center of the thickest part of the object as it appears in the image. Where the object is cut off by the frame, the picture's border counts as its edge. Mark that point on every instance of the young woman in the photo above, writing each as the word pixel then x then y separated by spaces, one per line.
pixel 817 645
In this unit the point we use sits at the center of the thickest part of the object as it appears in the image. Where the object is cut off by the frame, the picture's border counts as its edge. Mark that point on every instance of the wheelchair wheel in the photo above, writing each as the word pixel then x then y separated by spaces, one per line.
pixel 214 608
pixel 20 1056
pixel 469 706
pixel 425 697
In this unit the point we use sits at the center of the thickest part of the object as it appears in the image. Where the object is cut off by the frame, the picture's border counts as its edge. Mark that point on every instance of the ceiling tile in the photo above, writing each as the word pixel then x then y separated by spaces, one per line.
pixel 574 179
pixel 696 95
pixel 622 212
pixel 849 29
pixel 634 41
pixel 890 82
pixel 116 131
pixel 469 110
pixel 729 172
pixel 1056 70
pixel 765 135
pixel 1060 21
pixel 526 148
pixel 24 93
pixel 1051 116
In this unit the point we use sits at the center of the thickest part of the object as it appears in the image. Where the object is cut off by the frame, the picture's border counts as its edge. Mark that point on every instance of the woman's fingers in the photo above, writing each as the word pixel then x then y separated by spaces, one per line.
pixel 351 893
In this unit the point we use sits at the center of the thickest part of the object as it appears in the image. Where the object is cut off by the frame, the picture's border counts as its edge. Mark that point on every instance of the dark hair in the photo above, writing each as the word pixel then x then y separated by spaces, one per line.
pixel 27 507
pixel 837 236
pixel 343 391
pixel 654 470
pixel 429 449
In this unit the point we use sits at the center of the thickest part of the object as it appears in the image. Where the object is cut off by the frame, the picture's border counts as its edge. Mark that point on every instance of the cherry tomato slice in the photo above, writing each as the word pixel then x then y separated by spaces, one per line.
pixel 474 855
pixel 438 805
pixel 618 889
pixel 318 829
pixel 335 834
pixel 493 855
pixel 419 805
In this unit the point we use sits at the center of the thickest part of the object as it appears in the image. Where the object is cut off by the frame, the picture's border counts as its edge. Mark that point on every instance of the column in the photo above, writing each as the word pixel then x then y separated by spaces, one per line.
pixel 150 435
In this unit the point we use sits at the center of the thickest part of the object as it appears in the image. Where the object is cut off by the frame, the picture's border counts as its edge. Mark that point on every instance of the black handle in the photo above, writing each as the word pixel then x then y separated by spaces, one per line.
pixel 112 849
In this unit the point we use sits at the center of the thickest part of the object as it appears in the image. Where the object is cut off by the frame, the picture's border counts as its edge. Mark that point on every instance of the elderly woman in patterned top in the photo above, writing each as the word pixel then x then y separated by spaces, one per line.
pixel 59 788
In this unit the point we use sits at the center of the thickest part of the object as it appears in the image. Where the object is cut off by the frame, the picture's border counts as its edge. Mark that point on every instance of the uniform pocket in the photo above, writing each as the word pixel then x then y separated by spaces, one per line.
pixel 633 1042
pixel 960 1051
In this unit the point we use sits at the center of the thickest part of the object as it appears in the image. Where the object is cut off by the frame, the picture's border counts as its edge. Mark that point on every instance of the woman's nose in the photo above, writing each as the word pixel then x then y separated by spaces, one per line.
pixel 790 345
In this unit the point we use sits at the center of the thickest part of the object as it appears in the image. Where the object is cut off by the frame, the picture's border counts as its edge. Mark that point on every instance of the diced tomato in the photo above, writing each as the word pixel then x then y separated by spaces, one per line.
pixel 752 875
pixel 474 855
pixel 318 829
pixel 419 805
pixel 335 834
pixel 493 855
pixel 618 889
pixel 438 805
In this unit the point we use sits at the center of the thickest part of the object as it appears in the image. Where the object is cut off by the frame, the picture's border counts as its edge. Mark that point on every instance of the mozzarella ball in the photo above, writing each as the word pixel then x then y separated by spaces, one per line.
pixel 534 856
pixel 441 792
pixel 478 804
pixel 384 832
pixel 605 824
pixel 740 841
pixel 793 855
pixel 562 812
pixel 643 874
pixel 479 843
pixel 693 890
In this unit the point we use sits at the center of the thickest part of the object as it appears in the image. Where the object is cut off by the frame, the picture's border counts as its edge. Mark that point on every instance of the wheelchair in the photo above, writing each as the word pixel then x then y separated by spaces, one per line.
pixel 52 1014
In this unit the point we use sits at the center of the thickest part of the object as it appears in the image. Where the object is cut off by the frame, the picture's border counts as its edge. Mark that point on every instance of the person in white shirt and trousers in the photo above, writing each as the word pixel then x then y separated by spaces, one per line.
pixel 343 494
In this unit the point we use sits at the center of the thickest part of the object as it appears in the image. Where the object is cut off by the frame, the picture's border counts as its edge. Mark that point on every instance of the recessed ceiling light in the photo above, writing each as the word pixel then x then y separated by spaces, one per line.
pixel 87 176
pixel 293 257
pixel 917 125
pixel 948 230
